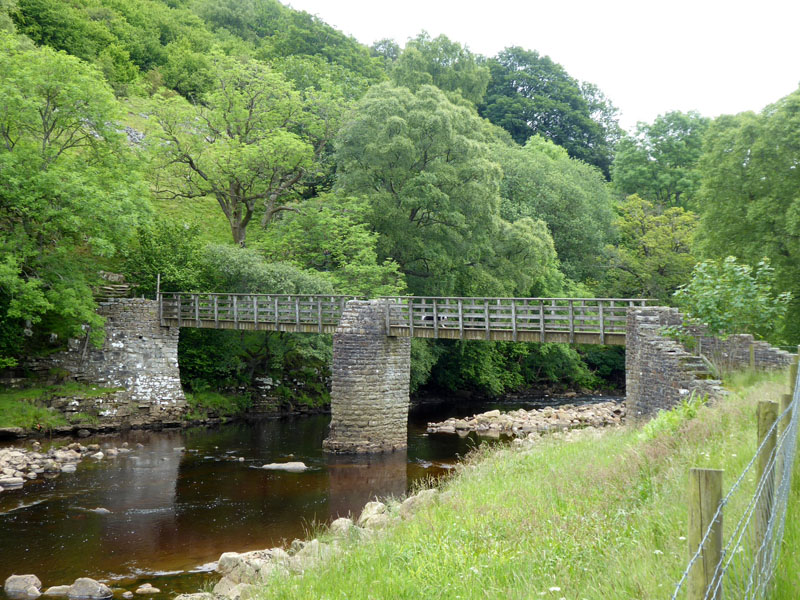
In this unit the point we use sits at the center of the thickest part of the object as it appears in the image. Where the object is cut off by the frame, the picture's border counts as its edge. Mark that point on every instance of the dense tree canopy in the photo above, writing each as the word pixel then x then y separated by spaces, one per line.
pixel 653 255
pixel 749 199
pixel 425 167
pixel 68 187
pixel 248 145
pixel 659 162
pixel 443 63
pixel 530 94
pixel 542 182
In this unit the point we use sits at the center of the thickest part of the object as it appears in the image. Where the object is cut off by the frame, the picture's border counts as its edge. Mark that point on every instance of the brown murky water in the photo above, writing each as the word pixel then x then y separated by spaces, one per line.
pixel 184 497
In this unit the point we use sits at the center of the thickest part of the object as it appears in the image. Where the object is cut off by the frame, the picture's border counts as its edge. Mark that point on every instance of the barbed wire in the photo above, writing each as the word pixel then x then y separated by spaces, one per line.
pixel 750 555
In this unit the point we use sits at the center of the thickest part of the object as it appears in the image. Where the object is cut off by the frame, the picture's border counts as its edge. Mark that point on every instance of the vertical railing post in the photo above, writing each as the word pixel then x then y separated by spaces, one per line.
pixel 235 312
pixel 435 320
pixel 410 317
pixel 255 312
pixel 571 322
pixel 486 318
pixel 216 311
pixel 319 315
pixel 705 496
pixel 179 309
pixel 277 315
pixel 514 319
pixel 602 322
pixel 541 321
pixel 197 310
pixel 461 318
pixel 297 312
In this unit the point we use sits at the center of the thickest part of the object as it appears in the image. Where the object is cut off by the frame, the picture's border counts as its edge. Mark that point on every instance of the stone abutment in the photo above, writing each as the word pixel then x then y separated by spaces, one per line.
pixel 371 378
pixel 138 356
pixel 661 371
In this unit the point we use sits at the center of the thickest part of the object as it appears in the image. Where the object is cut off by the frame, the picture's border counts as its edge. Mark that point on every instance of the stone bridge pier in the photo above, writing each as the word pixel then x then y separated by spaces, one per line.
pixel 371 378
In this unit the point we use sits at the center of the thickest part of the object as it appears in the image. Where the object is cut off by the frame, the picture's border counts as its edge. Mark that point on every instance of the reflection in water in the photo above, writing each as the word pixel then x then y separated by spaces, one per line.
pixel 173 508
pixel 356 480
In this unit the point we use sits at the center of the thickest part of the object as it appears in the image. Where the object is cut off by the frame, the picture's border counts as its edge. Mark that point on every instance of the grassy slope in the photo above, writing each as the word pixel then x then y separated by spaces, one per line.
pixel 27 407
pixel 597 518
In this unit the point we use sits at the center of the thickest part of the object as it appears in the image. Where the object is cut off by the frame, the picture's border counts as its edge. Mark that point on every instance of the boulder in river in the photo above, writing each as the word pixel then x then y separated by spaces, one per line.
pixel 147 589
pixel 291 467
pixel 18 585
pixel 11 482
pixel 85 587
pixel 69 468
pixel 57 590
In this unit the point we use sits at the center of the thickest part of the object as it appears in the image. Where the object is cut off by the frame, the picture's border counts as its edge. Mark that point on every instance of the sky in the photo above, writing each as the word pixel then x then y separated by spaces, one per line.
pixel 648 56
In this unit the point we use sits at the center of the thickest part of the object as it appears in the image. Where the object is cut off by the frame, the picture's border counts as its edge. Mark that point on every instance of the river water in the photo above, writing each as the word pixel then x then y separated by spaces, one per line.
pixel 185 496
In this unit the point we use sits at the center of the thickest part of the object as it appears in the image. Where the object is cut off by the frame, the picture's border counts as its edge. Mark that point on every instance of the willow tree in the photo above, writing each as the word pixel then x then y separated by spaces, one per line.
pixel 425 166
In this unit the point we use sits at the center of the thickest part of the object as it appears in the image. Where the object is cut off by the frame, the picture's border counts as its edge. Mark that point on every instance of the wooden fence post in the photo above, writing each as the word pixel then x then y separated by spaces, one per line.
pixel 705 496
pixel 767 415
pixel 793 371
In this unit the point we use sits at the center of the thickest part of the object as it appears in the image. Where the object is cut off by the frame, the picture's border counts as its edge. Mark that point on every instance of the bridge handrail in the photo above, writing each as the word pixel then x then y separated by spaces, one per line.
pixel 512 318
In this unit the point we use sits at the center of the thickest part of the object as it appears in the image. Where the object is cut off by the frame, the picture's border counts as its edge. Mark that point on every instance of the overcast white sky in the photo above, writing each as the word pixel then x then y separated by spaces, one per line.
pixel 648 56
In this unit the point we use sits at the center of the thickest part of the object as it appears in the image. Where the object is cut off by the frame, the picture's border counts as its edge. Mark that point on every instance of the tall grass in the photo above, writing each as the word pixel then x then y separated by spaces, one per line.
pixel 602 517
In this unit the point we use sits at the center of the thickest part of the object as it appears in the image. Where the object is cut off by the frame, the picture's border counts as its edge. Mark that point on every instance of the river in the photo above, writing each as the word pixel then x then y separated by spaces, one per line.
pixel 185 496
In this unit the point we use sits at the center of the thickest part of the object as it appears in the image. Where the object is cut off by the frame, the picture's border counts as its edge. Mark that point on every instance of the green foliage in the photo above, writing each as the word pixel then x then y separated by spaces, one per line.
pixel 749 194
pixel 328 236
pixel 494 368
pixel 659 162
pixel 734 298
pixel 653 254
pixel 170 249
pixel 443 63
pixel 248 144
pixel 70 191
pixel 529 94
pixel 425 168
pixel 28 407
pixel 224 268
pixel 205 403
pixel 667 422
pixel 542 182
pixel 278 31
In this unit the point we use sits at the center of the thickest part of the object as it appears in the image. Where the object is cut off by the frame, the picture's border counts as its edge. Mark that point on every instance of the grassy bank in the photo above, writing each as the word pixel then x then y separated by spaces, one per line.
pixel 601 517
pixel 28 407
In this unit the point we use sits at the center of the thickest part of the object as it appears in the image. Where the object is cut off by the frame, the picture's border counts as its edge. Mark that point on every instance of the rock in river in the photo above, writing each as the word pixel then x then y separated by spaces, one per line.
pixel 20 584
pixel 84 587
pixel 292 467
pixel 57 590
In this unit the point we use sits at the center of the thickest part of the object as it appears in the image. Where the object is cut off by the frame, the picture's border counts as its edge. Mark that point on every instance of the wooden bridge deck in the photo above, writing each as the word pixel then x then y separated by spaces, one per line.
pixel 566 320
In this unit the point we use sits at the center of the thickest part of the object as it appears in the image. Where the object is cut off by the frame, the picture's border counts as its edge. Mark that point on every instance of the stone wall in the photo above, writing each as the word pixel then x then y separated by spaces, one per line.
pixel 371 378
pixel 138 355
pixel 661 372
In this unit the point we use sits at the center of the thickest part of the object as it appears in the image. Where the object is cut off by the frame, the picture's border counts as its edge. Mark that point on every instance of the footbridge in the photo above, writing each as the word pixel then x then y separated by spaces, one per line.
pixel 372 341
pixel 565 320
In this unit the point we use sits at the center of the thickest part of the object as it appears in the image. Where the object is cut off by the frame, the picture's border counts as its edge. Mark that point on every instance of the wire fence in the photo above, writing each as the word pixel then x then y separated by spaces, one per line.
pixel 741 561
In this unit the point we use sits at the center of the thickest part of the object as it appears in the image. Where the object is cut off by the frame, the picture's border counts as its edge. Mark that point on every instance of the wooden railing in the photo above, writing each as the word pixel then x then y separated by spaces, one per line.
pixel 298 313
pixel 568 320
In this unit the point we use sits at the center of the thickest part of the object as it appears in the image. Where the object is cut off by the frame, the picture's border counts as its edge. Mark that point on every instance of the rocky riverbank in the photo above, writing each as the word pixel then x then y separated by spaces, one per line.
pixel 20 465
pixel 522 423
pixel 243 573
pixel 29 587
